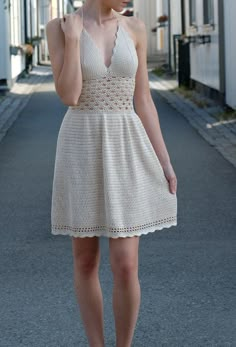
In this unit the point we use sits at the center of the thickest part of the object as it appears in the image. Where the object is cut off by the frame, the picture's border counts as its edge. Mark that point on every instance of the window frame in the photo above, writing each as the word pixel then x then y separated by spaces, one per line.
pixel 193 13
pixel 208 12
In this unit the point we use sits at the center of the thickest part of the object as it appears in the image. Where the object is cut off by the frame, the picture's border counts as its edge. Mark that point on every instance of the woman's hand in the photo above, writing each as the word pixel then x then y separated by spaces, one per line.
pixel 171 177
pixel 72 25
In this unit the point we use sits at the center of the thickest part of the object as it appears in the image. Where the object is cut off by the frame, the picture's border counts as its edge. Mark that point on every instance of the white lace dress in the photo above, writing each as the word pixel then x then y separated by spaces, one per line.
pixel 108 180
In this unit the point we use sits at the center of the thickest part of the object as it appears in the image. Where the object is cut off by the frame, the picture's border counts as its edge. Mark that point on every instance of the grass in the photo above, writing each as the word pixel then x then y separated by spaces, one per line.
pixel 2 97
pixel 159 71
pixel 229 114
pixel 201 102
pixel 192 95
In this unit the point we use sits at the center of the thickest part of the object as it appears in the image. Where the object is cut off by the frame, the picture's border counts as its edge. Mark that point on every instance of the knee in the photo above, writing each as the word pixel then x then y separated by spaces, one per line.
pixel 124 270
pixel 86 264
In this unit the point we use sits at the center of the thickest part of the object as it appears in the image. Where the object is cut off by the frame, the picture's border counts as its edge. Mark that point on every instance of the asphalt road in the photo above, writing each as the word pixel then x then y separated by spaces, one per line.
pixel 187 273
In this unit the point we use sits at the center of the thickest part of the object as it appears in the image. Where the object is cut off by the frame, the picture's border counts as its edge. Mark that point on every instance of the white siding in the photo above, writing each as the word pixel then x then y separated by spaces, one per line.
pixel 176 28
pixel 4 43
pixel 148 13
pixel 16 20
pixel 162 32
pixel 176 16
pixel 230 52
pixel 205 57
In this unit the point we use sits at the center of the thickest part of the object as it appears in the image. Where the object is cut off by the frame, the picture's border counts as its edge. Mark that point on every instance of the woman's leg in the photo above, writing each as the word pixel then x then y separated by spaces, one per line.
pixel 86 255
pixel 126 291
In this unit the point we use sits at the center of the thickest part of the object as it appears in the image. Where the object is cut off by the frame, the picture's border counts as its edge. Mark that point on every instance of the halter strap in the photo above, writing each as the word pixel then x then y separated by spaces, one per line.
pixel 118 26
pixel 82 15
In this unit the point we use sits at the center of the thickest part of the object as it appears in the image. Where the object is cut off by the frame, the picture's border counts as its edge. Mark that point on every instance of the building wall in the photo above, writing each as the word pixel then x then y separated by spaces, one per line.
pixel 12 34
pixel 4 42
pixel 60 7
pixel 147 11
pixel 17 36
pixel 175 27
pixel 162 32
pixel 205 57
pixel 230 51
pixel 44 17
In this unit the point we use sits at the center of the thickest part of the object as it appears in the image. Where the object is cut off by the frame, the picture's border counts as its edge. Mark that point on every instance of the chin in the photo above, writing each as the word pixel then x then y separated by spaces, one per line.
pixel 118 8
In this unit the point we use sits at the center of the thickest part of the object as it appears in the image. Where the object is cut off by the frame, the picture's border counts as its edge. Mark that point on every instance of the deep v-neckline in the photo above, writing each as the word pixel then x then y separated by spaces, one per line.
pixel 99 50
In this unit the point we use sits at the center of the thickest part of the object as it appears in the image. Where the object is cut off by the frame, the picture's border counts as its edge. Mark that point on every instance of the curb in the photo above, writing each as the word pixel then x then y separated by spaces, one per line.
pixel 18 97
pixel 219 134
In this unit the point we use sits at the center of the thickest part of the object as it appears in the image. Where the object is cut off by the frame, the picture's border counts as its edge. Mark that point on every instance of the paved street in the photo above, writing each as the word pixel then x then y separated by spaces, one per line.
pixel 187 273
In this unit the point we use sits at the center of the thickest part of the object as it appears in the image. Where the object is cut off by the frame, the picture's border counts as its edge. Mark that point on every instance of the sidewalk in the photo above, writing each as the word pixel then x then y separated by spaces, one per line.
pixel 220 134
pixel 13 103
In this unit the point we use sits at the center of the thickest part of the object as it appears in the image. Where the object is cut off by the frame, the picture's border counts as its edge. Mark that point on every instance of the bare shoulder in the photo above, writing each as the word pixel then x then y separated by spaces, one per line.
pixel 55 36
pixel 136 27
pixel 53 26
pixel 136 24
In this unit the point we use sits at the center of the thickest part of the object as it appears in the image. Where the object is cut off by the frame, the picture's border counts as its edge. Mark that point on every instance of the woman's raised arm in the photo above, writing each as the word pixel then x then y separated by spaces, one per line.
pixel 64 49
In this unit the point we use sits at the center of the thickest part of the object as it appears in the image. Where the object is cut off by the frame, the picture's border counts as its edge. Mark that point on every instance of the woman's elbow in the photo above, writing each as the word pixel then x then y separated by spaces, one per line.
pixel 69 99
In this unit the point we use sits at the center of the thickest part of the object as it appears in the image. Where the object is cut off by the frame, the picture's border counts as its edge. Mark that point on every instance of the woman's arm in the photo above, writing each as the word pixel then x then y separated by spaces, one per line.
pixel 64 50
pixel 145 108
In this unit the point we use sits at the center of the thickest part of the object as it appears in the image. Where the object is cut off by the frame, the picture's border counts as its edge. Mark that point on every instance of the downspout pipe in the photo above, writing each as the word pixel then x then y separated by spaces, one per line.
pixel 221 49
pixel 25 21
pixel 169 34
pixel 183 28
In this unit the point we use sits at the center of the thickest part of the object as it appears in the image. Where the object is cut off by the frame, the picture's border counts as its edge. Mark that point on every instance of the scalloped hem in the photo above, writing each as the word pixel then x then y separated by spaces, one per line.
pixel 111 234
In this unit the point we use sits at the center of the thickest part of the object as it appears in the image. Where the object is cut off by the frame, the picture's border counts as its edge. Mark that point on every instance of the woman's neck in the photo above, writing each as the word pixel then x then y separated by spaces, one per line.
pixel 97 11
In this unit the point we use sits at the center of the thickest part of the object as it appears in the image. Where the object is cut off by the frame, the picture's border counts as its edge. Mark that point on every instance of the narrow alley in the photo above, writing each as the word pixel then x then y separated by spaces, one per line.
pixel 187 273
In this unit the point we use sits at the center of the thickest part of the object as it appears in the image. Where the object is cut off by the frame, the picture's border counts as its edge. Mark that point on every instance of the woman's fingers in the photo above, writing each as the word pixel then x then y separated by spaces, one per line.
pixel 173 185
pixel 171 178
pixel 71 25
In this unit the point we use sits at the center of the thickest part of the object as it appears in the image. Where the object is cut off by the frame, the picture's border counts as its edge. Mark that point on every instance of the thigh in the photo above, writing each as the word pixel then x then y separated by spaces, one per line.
pixel 85 246
pixel 124 249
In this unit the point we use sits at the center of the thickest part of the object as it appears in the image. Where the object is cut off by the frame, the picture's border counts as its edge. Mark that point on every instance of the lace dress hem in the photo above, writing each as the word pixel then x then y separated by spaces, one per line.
pixel 112 232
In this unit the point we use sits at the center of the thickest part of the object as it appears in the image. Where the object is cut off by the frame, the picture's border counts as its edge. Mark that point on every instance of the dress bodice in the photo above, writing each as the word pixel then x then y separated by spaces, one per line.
pixel 108 88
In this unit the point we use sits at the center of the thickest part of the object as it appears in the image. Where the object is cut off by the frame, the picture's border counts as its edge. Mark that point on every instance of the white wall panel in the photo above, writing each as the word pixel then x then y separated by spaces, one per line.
pixel 205 57
pixel 16 20
pixel 146 10
pixel 4 43
pixel 162 32
pixel 230 51
pixel 176 28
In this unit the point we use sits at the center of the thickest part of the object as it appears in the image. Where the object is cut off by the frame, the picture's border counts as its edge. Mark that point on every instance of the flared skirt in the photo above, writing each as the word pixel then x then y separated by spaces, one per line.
pixel 108 180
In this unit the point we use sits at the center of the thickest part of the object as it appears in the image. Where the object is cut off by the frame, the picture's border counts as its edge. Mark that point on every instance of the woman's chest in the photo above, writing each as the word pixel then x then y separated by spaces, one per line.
pixel 123 60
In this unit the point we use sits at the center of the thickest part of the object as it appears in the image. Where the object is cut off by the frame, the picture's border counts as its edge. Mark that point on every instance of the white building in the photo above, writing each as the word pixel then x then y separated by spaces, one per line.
pixel 147 11
pixel 174 29
pixel 230 52
pixel 21 22
pixel 49 9
pixel 162 41
pixel 212 64
pixel 12 60
pixel 210 27
pixel 203 18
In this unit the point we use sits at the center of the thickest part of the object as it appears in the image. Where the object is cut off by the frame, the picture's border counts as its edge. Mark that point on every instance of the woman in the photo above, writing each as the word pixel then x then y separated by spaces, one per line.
pixel 113 176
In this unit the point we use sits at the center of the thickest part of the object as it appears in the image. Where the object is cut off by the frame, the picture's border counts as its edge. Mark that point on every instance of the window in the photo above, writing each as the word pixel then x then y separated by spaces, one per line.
pixel 208 12
pixel 15 21
pixel 192 10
